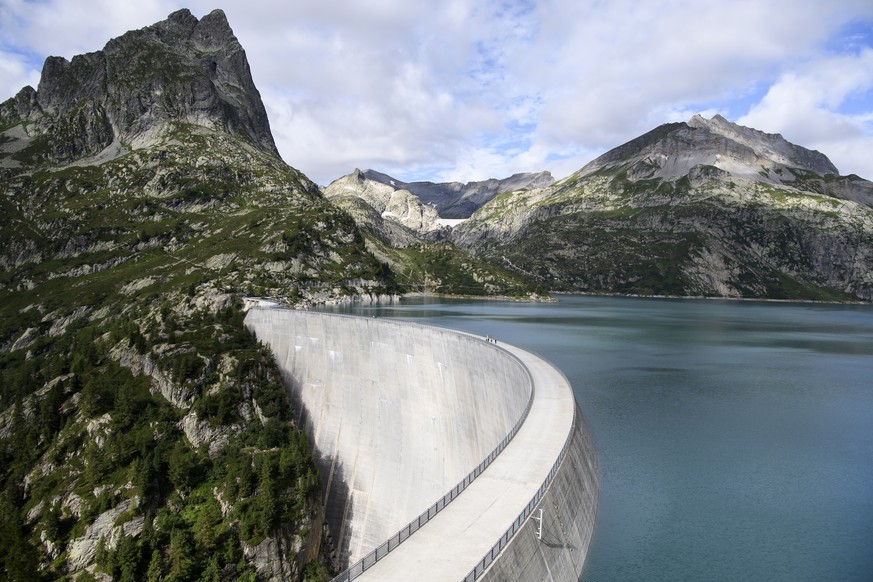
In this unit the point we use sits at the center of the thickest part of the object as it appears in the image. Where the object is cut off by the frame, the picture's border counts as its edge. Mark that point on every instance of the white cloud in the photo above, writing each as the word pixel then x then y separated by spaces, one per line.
pixel 805 106
pixel 483 88
pixel 615 68
pixel 15 72
pixel 67 28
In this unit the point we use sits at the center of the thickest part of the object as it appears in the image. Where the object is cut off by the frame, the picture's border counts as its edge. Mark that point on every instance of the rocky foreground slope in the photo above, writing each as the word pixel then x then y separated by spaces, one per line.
pixel 703 208
pixel 144 433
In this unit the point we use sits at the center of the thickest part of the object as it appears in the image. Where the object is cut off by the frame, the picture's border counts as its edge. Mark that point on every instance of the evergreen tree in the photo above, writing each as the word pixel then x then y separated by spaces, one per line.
pixel 156 566
pixel 183 469
pixel 266 499
pixel 181 551
pixel 127 559
pixel 18 558
pixel 51 523
pixel 205 526
pixel 101 556
pixel 212 573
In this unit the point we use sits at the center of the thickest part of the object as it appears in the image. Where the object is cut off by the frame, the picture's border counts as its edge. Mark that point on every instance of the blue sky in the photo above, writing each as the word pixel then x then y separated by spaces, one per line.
pixel 472 89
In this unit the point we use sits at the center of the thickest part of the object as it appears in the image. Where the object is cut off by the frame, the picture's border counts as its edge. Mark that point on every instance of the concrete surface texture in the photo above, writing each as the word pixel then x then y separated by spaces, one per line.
pixel 569 507
pixel 398 415
pixel 552 442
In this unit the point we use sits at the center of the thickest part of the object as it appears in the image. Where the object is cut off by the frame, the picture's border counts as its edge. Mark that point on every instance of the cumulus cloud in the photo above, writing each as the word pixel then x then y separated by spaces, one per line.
pixel 471 89
pixel 806 106
pixel 67 28
pixel 15 72
pixel 618 68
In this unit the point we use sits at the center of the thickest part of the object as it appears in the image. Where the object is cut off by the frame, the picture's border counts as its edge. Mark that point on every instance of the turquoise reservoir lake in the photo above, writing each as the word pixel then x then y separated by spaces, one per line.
pixel 735 438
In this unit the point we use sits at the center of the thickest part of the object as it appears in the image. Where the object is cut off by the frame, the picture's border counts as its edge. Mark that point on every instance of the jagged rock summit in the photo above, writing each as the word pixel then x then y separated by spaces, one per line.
pixel 404 212
pixel 456 200
pixel 674 149
pixel 180 70
pixel 388 198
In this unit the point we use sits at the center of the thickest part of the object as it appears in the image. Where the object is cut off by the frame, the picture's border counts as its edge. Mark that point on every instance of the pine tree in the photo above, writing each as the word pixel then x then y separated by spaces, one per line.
pixel 266 500
pixel 101 555
pixel 181 550
pixel 156 566
pixel 212 573
pixel 127 559
pixel 205 525
pixel 51 523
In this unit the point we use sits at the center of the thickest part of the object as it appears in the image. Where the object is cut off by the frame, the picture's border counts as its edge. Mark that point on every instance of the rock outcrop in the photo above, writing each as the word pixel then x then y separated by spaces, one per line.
pixel 456 200
pixel 179 70
pixel 82 550
pixel 411 238
pixel 392 204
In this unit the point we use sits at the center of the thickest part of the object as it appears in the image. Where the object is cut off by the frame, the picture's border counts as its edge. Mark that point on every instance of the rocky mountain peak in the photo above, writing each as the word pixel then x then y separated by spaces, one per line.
pixel 769 146
pixel 141 85
pixel 387 197
pixel 456 200
pixel 698 208
pixel 672 150
pixel 213 32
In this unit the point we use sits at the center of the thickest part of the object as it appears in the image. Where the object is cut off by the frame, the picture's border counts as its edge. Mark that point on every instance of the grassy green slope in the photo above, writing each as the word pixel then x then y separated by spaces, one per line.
pixel 717 236
pixel 130 391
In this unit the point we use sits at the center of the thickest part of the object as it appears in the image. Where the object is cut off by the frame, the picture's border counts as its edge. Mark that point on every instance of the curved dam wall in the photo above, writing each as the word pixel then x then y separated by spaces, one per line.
pixel 555 550
pixel 398 413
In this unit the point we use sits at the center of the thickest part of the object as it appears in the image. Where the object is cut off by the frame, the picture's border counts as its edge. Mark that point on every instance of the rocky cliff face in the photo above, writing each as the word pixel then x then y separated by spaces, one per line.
pixel 412 239
pixel 699 208
pixel 179 70
pixel 393 204
pixel 456 200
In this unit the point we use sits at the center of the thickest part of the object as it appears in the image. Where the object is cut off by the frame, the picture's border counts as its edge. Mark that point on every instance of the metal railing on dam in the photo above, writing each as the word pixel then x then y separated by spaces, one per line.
pixel 413 526
pixel 504 540
pixel 569 494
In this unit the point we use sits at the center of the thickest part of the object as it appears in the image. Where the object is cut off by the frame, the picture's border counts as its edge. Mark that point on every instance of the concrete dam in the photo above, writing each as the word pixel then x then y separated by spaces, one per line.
pixel 443 456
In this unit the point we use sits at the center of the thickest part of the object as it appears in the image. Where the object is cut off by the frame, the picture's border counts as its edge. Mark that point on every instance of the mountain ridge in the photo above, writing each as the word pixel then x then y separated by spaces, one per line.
pixel 144 432
pixel 696 208
pixel 413 240
pixel 743 151
pixel 705 208
pixel 456 200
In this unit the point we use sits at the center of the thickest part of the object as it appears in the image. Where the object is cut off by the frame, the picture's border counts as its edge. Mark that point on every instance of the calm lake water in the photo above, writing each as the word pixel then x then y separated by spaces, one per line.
pixel 735 438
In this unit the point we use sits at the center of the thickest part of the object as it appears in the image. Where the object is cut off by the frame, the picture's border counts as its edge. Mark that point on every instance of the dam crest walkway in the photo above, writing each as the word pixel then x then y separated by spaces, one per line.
pixel 452 544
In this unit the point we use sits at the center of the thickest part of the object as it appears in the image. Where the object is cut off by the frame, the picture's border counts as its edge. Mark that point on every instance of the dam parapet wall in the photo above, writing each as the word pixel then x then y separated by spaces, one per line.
pixel 398 414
